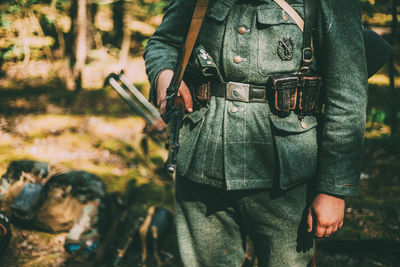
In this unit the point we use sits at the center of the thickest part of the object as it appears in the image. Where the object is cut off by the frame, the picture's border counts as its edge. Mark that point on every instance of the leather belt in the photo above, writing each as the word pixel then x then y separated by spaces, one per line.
pixel 243 92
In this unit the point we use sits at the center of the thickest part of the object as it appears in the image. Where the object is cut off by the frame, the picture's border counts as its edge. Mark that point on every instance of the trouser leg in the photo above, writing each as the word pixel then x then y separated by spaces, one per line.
pixel 208 233
pixel 276 225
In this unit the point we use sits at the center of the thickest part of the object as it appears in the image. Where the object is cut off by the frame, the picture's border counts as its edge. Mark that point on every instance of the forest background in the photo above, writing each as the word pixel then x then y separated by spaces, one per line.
pixel 54 106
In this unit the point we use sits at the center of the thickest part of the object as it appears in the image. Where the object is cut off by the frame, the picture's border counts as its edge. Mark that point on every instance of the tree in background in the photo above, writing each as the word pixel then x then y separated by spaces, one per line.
pixel 77 51
pixel 370 7
pixel 392 72
pixel 121 31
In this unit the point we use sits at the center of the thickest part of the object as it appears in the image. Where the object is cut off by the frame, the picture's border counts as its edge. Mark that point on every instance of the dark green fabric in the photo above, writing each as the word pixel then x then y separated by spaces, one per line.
pixel 212 225
pixel 250 147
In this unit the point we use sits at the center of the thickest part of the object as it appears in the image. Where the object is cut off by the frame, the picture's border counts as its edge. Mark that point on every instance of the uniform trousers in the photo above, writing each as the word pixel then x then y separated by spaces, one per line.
pixel 212 225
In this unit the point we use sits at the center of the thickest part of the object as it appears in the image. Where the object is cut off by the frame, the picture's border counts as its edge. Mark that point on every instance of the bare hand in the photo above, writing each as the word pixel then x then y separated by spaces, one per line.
pixel 184 96
pixel 328 213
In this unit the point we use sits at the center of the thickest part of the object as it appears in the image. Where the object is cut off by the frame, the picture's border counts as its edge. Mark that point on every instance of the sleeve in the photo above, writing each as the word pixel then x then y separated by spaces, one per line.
pixel 344 70
pixel 162 49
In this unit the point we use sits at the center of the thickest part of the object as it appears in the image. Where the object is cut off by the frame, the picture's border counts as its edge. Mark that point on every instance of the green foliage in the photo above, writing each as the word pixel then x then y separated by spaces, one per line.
pixel 6 52
pixel 16 6
pixel 144 42
pixel 155 8
pixel 374 6
pixel 377 115
pixel 5 22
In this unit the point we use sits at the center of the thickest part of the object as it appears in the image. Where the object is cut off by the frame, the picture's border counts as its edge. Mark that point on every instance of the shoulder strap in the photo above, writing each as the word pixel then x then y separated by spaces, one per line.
pixel 310 11
pixel 292 13
pixel 194 29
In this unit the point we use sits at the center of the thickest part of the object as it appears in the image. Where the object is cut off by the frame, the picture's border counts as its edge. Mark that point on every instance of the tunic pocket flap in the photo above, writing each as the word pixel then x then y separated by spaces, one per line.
pixel 219 10
pixel 292 124
pixel 276 15
pixel 197 115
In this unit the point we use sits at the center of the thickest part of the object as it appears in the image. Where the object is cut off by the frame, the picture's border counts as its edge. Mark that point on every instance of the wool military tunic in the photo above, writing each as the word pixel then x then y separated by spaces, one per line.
pixel 237 145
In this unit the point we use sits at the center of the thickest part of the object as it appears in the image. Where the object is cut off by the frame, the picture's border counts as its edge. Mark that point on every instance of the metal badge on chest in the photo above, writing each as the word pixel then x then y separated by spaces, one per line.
pixel 286 48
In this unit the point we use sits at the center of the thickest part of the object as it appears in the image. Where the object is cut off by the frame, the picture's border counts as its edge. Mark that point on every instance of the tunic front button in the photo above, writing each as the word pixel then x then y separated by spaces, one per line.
pixel 234 109
pixel 304 124
pixel 242 30
pixel 285 16
pixel 237 59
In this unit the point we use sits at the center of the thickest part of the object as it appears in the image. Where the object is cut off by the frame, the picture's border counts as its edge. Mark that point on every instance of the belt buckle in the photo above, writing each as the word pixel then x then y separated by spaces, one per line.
pixel 237 91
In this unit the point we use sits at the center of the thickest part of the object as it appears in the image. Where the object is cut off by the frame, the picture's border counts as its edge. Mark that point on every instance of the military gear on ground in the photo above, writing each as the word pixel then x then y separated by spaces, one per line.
pixel 117 210
pixel 155 227
pixel 84 237
pixel 130 239
pixel 127 232
pixel 18 174
pixel 85 186
pixel 59 210
pixel 30 198
pixel 28 201
pixel 67 196
pixel 5 233
pixel 66 192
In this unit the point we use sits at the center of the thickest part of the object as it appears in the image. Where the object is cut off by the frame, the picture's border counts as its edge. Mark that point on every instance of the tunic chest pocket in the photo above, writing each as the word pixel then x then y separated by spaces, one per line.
pixel 213 28
pixel 280 40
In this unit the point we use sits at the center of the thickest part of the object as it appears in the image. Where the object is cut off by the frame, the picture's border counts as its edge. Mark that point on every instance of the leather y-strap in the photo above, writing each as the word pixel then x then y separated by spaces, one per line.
pixel 292 13
pixel 310 11
pixel 194 29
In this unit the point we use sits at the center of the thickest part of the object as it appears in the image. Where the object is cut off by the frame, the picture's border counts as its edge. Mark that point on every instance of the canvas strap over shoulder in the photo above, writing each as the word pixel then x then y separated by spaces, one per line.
pixel 194 29
pixel 306 26
pixel 292 13
pixel 310 12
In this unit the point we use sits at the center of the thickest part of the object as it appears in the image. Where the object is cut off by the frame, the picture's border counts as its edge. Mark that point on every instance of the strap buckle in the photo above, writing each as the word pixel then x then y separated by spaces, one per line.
pixel 307 55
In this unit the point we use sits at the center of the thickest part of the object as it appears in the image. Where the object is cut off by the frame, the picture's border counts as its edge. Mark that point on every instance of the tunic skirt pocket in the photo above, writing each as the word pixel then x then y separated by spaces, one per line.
pixel 296 148
pixel 189 135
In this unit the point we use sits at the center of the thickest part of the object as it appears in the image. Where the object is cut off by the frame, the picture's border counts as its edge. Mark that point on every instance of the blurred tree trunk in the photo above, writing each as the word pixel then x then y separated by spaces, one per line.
pixel 91 32
pixel 392 73
pixel 60 34
pixel 24 34
pixel 77 40
pixel 121 31
pixel 126 43
pixel 118 19
pixel 38 28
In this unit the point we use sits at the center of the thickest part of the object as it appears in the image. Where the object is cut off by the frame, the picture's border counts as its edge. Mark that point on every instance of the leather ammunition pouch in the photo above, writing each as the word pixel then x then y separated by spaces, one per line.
pixel 298 93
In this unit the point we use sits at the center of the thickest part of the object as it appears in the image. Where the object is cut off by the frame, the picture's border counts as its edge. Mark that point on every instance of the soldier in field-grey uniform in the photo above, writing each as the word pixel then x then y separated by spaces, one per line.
pixel 244 170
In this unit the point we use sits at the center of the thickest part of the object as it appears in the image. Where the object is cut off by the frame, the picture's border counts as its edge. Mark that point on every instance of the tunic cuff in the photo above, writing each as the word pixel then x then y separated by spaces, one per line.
pixel 338 190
